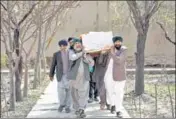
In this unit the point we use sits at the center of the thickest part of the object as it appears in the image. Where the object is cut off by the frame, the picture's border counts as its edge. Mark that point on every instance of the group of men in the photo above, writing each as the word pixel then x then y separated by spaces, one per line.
pixel 83 76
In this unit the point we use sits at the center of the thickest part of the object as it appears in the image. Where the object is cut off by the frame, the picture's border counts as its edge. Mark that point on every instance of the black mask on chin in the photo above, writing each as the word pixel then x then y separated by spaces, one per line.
pixel 118 47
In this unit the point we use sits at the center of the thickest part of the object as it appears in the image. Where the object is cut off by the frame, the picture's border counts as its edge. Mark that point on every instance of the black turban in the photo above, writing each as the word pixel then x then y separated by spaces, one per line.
pixel 76 40
pixel 117 38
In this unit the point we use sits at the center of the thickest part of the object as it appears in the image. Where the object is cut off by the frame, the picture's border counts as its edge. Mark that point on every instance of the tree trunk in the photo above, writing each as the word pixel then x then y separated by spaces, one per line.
pixel 12 87
pixel 36 75
pixel 39 71
pixel 97 18
pixel 18 76
pixel 108 11
pixel 44 66
pixel 139 83
pixel 36 72
pixel 25 89
pixel 18 72
pixel 43 54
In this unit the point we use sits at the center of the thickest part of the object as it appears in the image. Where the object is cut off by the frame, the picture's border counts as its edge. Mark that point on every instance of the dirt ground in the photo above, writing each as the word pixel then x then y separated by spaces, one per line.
pixel 137 107
pixel 147 105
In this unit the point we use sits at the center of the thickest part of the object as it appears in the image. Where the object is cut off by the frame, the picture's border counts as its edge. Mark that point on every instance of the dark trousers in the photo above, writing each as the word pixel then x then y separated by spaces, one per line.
pixel 93 92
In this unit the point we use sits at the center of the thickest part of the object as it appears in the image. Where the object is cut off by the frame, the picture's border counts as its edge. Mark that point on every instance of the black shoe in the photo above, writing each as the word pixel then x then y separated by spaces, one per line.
pixel 119 114
pixel 90 100
pixel 113 109
pixel 96 99
pixel 60 109
pixel 108 107
pixel 81 114
pixel 77 112
pixel 67 110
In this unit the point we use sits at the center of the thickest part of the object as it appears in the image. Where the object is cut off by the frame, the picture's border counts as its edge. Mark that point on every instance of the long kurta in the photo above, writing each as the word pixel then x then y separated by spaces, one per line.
pixel 80 83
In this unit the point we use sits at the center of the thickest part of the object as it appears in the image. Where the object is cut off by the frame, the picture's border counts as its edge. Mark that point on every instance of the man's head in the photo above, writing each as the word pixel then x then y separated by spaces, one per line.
pixel 77 45
pixel 117 40
pixel 70 40
pixel 63 44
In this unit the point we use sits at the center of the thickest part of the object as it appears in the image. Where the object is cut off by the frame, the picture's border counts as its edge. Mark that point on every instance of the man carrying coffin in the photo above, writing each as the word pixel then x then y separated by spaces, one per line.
pixel 93 92
pixel 98 75
pixel 79 77
pixel 101 64
pixel 118 57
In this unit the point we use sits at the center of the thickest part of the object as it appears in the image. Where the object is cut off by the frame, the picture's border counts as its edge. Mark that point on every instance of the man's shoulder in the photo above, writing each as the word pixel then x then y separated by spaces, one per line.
pixel 57 52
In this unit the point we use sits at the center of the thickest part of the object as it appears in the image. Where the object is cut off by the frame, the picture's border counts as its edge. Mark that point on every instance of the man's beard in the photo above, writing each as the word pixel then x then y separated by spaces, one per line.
pixel 118 47
pixel 78 49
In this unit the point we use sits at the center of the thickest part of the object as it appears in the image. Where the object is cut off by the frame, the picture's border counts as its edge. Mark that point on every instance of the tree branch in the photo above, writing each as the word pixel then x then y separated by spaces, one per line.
pixel 3 6
pixel 137 15
pixel 27 14
pixel 5 41
pixel 7 11
pixel 7 23
pixel 152 10
pixel 30 35
pixel 24 50
pixel 32 46
pixel 166 35
pixel 25 28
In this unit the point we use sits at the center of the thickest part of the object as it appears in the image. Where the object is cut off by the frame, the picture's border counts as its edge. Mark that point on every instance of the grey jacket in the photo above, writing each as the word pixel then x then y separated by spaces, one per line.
pixel 58 65
pixel 74 63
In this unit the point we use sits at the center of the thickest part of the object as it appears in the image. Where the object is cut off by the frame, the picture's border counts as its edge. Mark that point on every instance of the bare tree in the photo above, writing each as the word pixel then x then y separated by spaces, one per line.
pixel 34 36
pixel 12 24
pixel 141 18
pixel 57 10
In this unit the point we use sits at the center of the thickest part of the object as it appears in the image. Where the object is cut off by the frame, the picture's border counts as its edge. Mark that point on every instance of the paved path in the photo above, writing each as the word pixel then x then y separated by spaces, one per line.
pixel 129 70
pixel 47 105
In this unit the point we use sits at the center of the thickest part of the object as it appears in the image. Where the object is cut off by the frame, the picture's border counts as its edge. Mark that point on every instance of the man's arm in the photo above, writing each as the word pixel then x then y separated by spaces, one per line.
pixel 74 56
pixel 53 65
pixel 119 59
pixel 102 59
pixel 89 60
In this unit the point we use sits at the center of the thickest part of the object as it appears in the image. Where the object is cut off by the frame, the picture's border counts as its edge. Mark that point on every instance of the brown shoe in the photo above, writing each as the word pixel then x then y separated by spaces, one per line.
pixel 102 106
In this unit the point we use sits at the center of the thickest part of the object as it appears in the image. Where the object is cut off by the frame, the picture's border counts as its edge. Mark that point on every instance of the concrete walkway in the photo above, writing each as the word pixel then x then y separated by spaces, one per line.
pixel 47 105
pixel 132 71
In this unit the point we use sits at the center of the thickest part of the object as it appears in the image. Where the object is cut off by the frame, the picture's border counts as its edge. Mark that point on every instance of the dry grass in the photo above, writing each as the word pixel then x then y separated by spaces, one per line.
pixel 24 107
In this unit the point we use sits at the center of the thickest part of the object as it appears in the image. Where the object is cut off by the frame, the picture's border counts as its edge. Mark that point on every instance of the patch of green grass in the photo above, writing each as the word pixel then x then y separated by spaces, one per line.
pixel 3 60
pixel 162 90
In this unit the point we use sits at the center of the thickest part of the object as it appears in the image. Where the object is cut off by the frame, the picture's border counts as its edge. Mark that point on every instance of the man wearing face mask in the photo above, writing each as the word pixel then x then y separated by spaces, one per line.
pixel 115 86
pixel 79 77
pixel 60 63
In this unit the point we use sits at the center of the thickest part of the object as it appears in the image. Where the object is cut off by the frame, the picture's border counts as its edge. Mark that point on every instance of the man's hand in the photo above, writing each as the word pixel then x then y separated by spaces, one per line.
pixel 112 49
pixel 51 78
pixel 105 49
pixel 83 50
